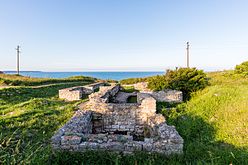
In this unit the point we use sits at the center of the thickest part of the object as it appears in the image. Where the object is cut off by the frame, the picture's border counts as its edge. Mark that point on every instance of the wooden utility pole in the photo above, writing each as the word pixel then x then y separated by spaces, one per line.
pixel 18 59
pixel 187 54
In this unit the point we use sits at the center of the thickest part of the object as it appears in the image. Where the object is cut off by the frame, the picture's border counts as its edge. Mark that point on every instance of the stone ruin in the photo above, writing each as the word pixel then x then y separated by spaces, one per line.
pixel 108 122
pixel 76 93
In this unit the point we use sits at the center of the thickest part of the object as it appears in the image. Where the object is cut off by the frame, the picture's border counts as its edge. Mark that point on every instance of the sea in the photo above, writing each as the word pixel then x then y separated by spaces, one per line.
pixel 100 75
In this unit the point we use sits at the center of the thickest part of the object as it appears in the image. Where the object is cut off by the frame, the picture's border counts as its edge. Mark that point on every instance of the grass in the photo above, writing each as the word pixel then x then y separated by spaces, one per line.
pixel 18 80
pixel 213 123
pixel 129 81
pixel 132 99
pixel 28 119
pixel 128 89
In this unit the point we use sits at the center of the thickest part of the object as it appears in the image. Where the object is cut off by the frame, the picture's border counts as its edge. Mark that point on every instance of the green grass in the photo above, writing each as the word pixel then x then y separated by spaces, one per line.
pixel 28 119
pixel 132 99
pixel 18 80
pixel 129 81
pixel 128 89
pixel 213 123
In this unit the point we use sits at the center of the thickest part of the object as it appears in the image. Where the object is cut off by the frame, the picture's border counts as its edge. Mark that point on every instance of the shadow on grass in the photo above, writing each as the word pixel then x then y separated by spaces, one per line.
pixel 200 145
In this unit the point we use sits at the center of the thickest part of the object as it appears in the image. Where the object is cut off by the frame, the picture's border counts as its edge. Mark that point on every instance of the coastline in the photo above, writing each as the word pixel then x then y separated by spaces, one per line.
pixel 101 75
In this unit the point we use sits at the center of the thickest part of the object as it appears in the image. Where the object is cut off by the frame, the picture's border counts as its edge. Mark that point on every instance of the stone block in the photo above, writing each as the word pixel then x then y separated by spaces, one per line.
pixel 115 146
pixel 70 140
pixel 147 147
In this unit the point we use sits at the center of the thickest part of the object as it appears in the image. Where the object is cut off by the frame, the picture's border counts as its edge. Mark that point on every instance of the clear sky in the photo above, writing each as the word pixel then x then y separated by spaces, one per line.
pixel 82 35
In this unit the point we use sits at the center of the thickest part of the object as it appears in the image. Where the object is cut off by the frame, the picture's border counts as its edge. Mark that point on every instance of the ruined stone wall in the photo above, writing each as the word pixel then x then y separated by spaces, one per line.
pixel 142 96
pixel 80 123
pixel 123 143
pixel 110 91
pixel 142 87
pixel 146 117
pixel 115 127
pixel 168 96
pixel 124 117
pixel 115 117
pixel 71 94
pixel 87 91
pixel 76 93
pixel 110 117
pixel 162 96
pixel 122 97
pixel 120 117
pixel 95 86
pixel 167 141
pixel 104 94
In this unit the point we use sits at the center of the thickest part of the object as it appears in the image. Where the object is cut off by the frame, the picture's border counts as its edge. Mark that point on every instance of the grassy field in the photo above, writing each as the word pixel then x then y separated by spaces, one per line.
pixel 18 80
pixel 213 123
pixel 28 119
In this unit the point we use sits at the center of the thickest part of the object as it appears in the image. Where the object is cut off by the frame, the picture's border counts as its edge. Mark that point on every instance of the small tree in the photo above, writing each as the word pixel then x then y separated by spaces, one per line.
pixel 242 68
pixel 158 82
pixel 187 80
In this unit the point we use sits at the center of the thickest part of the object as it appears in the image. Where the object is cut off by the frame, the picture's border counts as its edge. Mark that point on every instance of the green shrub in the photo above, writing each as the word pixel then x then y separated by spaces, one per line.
pixel 187 80
pixel 158 83
pixel 242 68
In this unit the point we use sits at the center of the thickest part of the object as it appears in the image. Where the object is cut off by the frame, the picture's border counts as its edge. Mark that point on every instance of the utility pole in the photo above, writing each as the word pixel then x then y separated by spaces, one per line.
pixel 187 54
pixel 18 59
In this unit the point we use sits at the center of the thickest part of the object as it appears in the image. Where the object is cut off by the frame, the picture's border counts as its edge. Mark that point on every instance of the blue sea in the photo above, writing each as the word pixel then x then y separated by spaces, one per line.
pixel 100 75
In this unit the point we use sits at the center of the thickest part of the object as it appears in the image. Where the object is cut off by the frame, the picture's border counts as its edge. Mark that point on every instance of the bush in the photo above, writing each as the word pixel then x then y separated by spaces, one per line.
pixel 158 82
pixel 242 68
pixel 187 80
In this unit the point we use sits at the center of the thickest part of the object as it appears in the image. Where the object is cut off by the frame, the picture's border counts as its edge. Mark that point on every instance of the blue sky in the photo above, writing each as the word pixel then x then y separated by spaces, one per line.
pixel 83 35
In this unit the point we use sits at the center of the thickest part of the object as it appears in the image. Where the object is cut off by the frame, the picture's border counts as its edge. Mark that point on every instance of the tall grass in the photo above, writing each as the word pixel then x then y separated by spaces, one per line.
pixel 28 119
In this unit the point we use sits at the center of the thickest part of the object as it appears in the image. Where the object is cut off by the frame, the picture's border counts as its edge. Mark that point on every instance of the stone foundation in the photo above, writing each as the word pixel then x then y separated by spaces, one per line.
pixel 160 96
pixel 76 93
pixel 71 94
pixel 142 87
pixel 166 142
pixel 163 96
pixel 104 124
pixel 122 97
